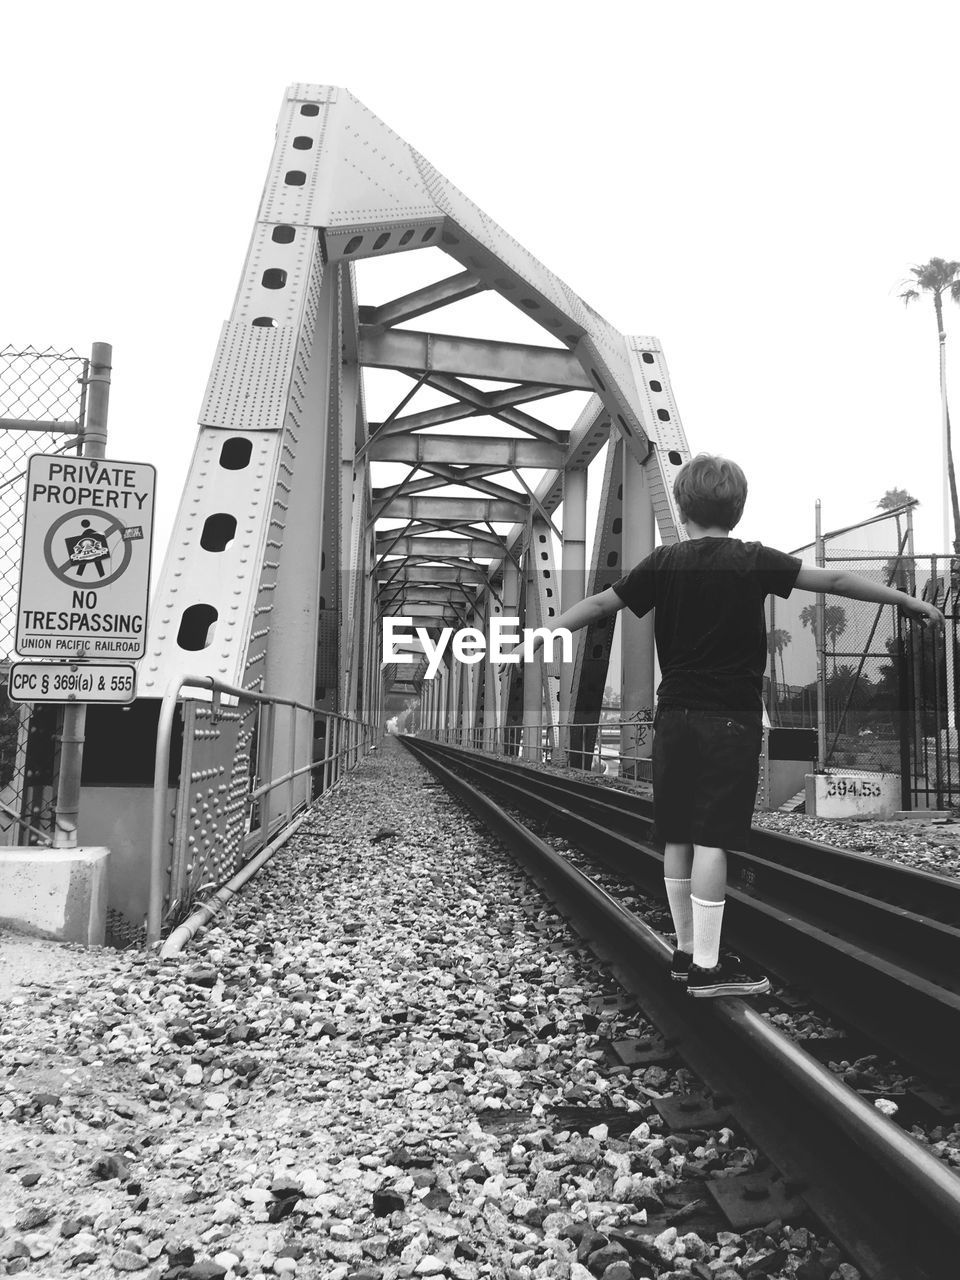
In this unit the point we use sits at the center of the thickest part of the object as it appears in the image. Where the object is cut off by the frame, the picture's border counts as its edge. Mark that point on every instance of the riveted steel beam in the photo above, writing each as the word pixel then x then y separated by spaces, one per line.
pixel 442 477
pixel 424 609
pixel 494 450
pixel 469 575
pixel 467 394
pixel 453 289
pixel 459 510
pixel 471 358
pixel 429 547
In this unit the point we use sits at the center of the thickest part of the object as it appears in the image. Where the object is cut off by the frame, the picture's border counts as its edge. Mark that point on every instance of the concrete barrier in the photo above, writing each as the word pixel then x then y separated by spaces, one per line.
pixel 852 795
pixel 55 893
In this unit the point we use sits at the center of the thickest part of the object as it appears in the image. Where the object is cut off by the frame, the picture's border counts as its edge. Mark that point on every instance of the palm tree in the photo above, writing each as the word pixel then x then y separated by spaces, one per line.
pixel 938 277
pixel 777 641
pixel 902 567
pixel 894 498
pixel 834 623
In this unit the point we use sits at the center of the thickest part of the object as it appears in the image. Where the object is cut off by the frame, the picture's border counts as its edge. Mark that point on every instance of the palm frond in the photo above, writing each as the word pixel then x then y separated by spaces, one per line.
pixel 936 275
pixel 909 295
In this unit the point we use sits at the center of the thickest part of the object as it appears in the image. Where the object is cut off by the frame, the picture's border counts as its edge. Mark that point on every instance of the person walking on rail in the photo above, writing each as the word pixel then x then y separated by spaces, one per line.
pixel 708 596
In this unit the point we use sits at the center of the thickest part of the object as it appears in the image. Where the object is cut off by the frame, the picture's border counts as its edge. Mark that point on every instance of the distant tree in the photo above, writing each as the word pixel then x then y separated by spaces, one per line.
pixel 834 623
pixel 938 277
pixel 894 498
pixel 899 575
pixel 777 641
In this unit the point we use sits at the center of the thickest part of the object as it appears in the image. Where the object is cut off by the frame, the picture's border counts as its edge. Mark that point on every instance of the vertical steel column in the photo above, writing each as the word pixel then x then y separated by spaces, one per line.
pixel 511 609
pixel 491 692
pixel 636 634
pixel 532 671
pixel 453 699
pixel 327 748
pixel 444 702
pixel 466 698
pixel 75 714
pixel 573 563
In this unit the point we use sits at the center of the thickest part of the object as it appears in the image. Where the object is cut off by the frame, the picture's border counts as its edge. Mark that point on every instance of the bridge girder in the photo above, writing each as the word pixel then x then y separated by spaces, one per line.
pixel 293 603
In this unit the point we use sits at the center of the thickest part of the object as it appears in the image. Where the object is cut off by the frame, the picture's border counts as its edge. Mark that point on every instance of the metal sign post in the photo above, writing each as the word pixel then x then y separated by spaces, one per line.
pixel 75 713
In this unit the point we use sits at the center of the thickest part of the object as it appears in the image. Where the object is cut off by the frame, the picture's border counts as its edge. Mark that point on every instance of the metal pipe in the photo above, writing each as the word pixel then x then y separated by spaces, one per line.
pixel 293 761
pixel 161 772
pixel 184 932
pixel 821 656
pixel 75 713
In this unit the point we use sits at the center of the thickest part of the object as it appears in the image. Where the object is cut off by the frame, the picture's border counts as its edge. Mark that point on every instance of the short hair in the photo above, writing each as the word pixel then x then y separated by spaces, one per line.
pixel 711 491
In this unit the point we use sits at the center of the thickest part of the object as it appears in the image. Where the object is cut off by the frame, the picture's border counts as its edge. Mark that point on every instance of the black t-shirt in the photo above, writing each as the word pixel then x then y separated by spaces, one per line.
pixel 710 626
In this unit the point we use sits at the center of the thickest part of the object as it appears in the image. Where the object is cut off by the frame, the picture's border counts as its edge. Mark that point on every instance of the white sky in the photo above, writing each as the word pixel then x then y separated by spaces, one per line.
pixel 750 182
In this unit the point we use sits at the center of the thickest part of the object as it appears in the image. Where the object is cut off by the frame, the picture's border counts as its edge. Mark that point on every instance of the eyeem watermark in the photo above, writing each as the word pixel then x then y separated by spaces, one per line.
pixel 470 644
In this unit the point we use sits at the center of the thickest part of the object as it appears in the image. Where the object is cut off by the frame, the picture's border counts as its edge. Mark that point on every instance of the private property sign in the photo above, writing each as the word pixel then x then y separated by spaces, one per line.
pixel 85 563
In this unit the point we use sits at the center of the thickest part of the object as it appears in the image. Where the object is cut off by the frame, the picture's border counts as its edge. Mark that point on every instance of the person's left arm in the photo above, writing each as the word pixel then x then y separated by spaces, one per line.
pixel 582 614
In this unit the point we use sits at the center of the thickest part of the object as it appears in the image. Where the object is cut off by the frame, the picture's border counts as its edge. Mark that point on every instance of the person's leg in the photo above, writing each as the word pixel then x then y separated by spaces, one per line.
pixel 672 769
pixel 707 896
pixel 724 808
pixel 677 864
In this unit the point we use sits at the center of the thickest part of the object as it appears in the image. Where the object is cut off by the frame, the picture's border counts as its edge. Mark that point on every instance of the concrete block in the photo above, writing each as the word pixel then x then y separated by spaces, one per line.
pixel 55 893
pixel 852 795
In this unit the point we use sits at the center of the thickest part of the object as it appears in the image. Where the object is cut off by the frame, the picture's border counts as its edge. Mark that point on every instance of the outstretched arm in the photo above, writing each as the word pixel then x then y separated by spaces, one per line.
pixel 582 614
pixel 838 582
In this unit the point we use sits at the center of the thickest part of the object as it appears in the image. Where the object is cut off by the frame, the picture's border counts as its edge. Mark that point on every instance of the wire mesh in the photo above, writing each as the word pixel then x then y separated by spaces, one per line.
pixel 860 650
pixel 930 665
pixel 42 400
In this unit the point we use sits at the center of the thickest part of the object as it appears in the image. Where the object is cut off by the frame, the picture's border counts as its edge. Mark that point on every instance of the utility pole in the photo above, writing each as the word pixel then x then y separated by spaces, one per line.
pixel 821 656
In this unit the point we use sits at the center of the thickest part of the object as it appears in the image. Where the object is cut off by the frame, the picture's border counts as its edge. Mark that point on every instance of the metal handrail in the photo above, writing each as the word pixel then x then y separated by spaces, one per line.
pixel 161 768
pixel 493 740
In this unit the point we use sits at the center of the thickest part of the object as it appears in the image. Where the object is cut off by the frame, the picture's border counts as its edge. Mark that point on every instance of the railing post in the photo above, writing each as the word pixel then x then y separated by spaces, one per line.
pixel 293 763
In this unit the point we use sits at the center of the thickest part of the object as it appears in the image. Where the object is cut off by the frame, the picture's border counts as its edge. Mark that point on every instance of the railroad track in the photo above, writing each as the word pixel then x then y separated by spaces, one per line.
pixel 872 1186
pixel 876 943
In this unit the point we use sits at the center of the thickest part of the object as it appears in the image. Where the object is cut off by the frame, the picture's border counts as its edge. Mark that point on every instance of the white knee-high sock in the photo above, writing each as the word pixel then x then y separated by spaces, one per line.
pixel 707 922
pixel 681 910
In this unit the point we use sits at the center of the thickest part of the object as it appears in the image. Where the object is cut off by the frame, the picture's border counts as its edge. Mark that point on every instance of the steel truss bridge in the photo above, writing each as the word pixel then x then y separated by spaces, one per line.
pixel 303 524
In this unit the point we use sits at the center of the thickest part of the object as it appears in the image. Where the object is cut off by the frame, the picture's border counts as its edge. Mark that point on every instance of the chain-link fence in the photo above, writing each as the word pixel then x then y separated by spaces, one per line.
pixel 860 689
pixel 930 689
pixel 42 401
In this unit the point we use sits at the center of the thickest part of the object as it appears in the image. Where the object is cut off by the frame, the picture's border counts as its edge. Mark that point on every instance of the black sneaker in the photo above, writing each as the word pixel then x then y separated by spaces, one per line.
pixel 680 965
pixel 731 977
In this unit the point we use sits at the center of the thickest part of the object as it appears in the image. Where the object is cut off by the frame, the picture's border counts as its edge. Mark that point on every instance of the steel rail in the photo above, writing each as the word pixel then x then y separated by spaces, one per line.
pixel 867 1172
pixel 937 896
pixel 897 907
pixel 890 997
pixel 911 917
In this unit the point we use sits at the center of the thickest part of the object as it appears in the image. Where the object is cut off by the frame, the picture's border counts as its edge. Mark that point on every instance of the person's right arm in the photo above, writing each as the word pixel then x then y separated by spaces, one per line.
pixel 840 582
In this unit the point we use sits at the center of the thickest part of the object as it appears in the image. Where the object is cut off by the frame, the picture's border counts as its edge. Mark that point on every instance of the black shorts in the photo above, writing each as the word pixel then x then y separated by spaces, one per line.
pixel 705 772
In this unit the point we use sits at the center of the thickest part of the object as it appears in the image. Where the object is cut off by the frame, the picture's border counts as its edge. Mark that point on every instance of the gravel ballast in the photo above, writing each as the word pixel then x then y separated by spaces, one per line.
pixel 366 1069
